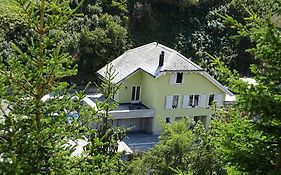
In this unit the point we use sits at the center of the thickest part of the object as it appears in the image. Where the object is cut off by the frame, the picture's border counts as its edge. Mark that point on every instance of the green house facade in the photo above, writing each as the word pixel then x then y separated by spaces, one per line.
pixel 158 84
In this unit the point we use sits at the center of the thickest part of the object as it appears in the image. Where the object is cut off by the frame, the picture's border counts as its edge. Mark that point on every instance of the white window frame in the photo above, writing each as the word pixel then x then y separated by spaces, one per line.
pixel 203 101
pixel 193 101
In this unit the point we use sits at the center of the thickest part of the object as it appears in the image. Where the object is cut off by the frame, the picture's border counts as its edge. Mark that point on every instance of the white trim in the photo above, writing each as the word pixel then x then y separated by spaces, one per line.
pixel 215 82
pixel 185 101
pixel 219 99
pixel 208 99
pixel 173 77
pixel 203 101
pixel 193 100
pixel 169 102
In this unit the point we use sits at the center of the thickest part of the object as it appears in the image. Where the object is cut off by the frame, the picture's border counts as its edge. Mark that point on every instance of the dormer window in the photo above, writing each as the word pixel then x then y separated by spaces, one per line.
pixel 179 78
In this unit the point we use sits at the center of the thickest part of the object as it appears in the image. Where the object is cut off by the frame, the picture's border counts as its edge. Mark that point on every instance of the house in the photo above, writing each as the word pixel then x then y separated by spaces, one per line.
pixel 157 84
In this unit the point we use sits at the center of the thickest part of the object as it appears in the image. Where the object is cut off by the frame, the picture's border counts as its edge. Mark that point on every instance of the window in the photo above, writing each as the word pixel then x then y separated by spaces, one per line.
pixel 175 101
pixel 211 99
pixel 218 98
pixel 168 119
pixel 135 93
pixel 179 78
pixel 193 101
pixel 172 102
pixel 176 78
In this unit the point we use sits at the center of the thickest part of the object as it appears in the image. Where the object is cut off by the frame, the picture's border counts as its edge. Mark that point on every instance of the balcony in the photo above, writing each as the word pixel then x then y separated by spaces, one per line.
pixel 124 110
pixel 128 110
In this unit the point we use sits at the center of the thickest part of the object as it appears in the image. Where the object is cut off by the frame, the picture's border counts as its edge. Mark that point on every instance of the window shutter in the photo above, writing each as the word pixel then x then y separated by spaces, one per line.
pixel 185 101
pixel 219 99
pixel 202 101
pixel 173 77
pixel 169 102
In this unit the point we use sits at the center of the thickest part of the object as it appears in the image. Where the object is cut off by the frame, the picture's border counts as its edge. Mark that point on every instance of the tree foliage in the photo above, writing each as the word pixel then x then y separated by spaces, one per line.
pixel 193 30
pixel 97 37
pixel 180 150
pixel 242 147
pixel 259 101
pixel 41 122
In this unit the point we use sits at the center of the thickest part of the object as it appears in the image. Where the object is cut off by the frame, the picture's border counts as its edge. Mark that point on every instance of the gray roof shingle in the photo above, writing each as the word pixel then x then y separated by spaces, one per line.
pixel 146 58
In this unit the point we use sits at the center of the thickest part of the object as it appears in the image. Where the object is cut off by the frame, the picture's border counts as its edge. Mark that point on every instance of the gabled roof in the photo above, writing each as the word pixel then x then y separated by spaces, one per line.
pixel 146 58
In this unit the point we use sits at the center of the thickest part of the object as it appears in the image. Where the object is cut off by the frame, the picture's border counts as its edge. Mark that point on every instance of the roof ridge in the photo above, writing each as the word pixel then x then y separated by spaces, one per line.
pixel 139 47
pixel 179 54
pixel 167 48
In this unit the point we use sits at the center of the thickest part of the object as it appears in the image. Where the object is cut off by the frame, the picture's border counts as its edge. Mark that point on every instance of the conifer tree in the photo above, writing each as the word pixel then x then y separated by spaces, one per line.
pixel 41 123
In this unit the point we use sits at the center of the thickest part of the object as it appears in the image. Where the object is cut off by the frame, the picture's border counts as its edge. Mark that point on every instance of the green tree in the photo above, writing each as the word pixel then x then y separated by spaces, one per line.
pixel 241 146
pixel 36 132
pixel 180 150
pixel 97 37
pixel 260 101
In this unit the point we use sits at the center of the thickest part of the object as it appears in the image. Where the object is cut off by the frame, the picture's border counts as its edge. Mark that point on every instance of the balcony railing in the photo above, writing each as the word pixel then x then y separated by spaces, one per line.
pixel 132 111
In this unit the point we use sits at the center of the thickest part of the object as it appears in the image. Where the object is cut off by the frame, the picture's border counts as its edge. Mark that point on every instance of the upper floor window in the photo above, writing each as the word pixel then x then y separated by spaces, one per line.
pixel 217 98
pixel 179 78
pixel 193 101
pixel 175 101
pixel 172 102
pixel 176 78
pixel 211 99
pixel 135 93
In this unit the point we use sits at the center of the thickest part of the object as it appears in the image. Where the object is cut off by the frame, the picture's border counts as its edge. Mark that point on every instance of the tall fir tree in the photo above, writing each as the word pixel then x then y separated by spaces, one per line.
pixel 41 123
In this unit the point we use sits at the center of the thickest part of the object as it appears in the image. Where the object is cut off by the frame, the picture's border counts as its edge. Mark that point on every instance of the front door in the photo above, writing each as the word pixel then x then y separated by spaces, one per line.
pixel 135 98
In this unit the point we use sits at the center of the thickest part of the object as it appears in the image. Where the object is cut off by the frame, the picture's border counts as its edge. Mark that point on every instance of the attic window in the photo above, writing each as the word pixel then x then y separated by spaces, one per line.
pixel 176 78
pixel 179 78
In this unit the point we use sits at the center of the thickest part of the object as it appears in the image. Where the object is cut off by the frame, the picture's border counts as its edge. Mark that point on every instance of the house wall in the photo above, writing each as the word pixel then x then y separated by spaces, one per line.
pixel 125 89
pixel 155 90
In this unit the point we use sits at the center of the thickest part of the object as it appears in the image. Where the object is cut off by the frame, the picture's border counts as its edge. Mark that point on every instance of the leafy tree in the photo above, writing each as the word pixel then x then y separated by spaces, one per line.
pixel 180 150
pixel 97 37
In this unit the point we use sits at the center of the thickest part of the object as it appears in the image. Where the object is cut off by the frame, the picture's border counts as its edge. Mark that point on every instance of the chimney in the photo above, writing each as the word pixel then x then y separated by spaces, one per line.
pixel 161 59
